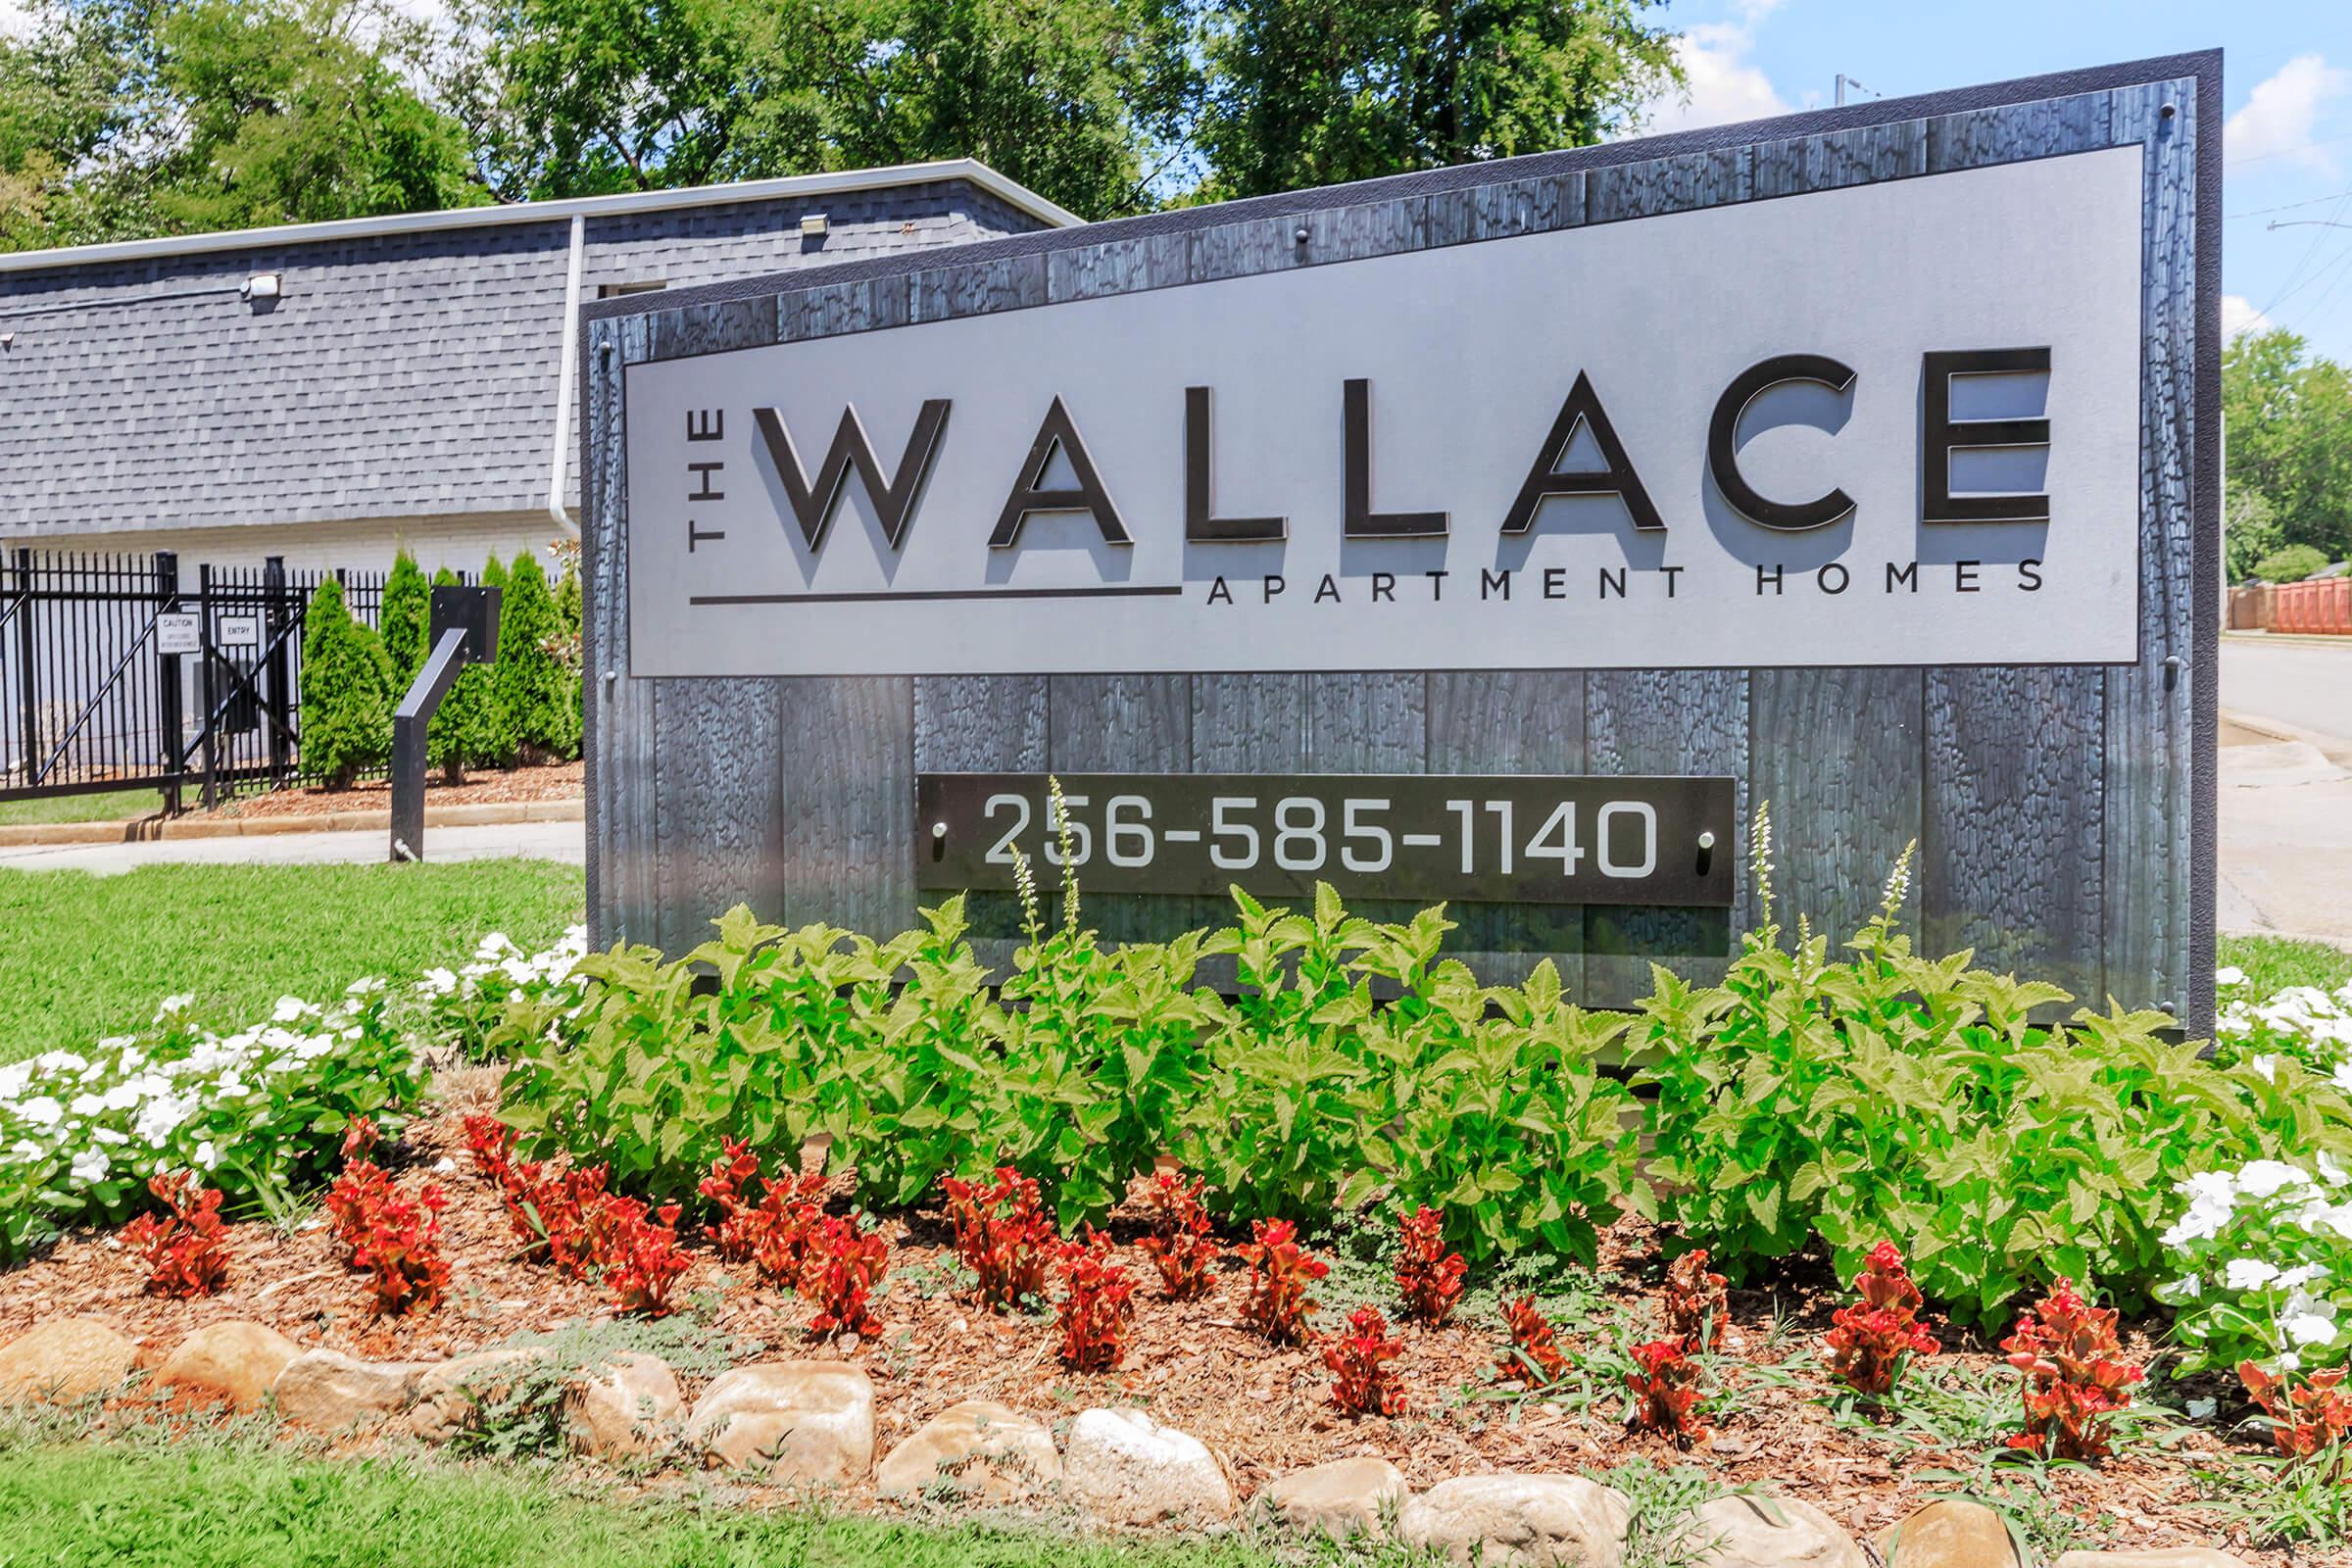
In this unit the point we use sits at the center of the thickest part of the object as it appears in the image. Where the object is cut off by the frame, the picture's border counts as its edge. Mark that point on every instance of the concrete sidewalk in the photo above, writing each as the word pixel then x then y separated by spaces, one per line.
pixel 537 841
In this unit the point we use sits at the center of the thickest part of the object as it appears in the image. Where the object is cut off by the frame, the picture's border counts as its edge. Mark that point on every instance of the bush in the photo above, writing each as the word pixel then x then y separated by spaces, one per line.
pixel 538 696
pixel 2266 1257
pixel 2290 564
pixel 406 621
pixel 1890 1098
pixel 346 691
pixel 471 730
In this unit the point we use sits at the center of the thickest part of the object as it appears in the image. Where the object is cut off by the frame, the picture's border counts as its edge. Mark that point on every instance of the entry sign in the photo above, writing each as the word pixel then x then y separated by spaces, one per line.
pixel 1892 425
pixel 238 631
pixel 1516 839
pixel 177 634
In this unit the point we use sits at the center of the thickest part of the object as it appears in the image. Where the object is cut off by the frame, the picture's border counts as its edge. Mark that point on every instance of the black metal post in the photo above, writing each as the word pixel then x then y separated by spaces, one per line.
pixel 281 715
pixel 409 723
pixel 29 691
pixel 170 718
pixel 206 658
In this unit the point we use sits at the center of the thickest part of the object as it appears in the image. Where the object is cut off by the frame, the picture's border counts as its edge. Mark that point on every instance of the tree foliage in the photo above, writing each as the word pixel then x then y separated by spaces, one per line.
pixel 127 118
pixel 538 695
pixel 346 707
pixel 1315 92
pixel 405 621
pixel 472 729
pixel 2287 416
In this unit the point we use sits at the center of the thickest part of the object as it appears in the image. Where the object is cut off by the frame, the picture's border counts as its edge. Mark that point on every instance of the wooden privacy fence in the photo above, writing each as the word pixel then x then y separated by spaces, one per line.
pixel 2321 608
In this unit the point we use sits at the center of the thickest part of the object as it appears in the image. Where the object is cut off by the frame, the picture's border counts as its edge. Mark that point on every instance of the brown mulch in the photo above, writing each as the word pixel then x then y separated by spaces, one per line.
pixel 1190 1365
pixel 557 781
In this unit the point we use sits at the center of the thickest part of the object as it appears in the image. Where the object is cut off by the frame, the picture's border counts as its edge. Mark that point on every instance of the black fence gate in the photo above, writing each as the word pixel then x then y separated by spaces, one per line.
pixel 119 673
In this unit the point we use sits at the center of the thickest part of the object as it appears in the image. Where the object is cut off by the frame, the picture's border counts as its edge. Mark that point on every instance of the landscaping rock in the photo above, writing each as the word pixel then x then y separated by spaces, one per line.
pixel 625 1411
pixel 1342 1498
pixel 448 1392
pixel 1949 1533
pixel 804 1420
pixel 979 1447
pixel 1125 1467
pixel 2154 1557
pixel 1770 1532
pixel 65 1359
pixel 332 1392
pixel 1544 1521
pixel 234 1362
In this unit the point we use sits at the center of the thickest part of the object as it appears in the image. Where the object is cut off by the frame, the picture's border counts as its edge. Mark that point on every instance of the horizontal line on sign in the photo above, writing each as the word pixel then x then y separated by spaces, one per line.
pixel 1120 591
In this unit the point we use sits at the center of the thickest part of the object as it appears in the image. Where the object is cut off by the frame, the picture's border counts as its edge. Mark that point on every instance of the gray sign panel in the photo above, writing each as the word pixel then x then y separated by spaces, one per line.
pixel 1891 424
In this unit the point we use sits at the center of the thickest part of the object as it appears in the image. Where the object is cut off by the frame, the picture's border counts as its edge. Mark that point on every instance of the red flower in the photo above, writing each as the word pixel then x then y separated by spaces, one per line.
pixel 842 1267
pixel 1666 1391
pixel 184 1246
pixel 1535 1354
pixel 1696 1306
pixel 1428 1277
pixel 1868 1344
pixel 1361 1383
pixel 1002 1236
pixel 1279 1272
pixel 2076 1380
pixel 1095 1307
pixel 1179 1245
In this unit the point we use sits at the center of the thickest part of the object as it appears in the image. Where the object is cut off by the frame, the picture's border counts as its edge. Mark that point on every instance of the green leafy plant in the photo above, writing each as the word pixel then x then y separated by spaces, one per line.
pixel 402 619
pixel 537 693
pixel 2290 564
pixel 2266 1252
pixel 346 691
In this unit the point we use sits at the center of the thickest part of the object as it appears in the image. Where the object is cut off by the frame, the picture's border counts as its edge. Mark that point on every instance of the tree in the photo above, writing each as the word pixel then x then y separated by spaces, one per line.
pixel 2287 432
pixel 406 620
pixel 1315 92
pixel 538 695
pixel 472 729
pixel 345 709
pixel 127 118
pixel 2290 564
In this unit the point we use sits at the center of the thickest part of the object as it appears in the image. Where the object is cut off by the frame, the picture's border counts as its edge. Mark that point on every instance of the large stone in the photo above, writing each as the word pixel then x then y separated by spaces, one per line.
pixel 65 1359
pixel 235 1363
pixel 1125 1467
pixel 980 1448
pixel 1755 1532
pixel 333 1392
pixel 449 1393
pixel 1543 1521
pixel 2151 1558
pixel 802 1420
pixel 1949 1533
pixel 1345 1498
pixel 628 1409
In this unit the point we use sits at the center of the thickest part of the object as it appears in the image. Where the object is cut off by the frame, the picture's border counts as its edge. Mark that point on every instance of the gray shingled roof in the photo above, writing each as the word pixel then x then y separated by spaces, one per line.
pixel 409 368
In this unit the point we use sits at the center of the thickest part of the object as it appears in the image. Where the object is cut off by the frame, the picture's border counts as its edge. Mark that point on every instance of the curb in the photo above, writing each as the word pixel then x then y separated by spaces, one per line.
pixel 2278 729
pixel 2292 639
pixel 148 829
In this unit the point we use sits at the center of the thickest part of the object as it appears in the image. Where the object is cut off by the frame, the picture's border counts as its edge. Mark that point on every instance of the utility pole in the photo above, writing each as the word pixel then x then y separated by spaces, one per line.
pixel 1844 81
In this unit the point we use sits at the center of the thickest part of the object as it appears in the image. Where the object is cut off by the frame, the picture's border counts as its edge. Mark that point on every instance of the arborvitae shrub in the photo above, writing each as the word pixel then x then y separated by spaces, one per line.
pixel 538 694
pixel 471 728
pixel 406 621
pixel 346 703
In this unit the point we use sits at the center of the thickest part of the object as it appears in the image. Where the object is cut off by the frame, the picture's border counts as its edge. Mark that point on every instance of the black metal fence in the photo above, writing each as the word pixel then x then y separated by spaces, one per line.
pixel 124 672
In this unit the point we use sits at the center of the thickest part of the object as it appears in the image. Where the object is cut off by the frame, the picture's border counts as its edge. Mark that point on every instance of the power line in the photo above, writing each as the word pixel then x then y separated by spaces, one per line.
pixel 2290 206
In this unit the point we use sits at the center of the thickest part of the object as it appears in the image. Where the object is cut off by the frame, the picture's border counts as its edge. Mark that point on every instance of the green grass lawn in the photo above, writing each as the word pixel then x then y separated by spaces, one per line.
pixel 112 806
pixel 2273 964
pixel 82 957
pixel 216 1504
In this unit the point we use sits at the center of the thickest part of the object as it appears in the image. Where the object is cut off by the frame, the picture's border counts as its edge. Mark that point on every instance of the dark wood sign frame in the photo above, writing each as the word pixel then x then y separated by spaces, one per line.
pixel 2064 814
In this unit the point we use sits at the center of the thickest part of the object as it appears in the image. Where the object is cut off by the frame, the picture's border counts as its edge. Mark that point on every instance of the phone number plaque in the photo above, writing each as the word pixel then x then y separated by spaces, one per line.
pixel 1503 839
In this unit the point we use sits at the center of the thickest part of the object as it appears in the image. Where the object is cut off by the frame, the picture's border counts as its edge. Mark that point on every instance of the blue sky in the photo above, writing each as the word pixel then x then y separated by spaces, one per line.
pixel 2288 74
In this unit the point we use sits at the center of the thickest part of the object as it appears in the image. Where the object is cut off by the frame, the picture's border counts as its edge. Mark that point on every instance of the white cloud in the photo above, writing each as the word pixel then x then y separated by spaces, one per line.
pixel 2238 315
pixel 1723 85
pixel 2281 112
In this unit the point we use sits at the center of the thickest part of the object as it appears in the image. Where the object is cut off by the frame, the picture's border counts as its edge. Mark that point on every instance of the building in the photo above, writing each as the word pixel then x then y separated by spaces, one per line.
pixel 331 393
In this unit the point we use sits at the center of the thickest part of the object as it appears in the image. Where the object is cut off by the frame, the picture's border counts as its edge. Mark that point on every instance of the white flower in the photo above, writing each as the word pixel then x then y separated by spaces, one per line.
pixel 437 983
pixel 25 1151
pixel 363 988
pixel 2228 975
pixel 2291 1362
pixel 2300 1276
pixel 205 1156
pixel 290 1008
pixel 2307 1320
pixel 2268 1066
pixel 2262 1177
pixel 178 1001
pixel 2248 1274
pixel 87 1105
pixel 41 1111
pixel 90 1166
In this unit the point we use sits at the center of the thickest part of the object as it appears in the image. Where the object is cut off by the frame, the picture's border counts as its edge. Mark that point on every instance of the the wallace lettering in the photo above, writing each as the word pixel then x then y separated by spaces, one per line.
pixel 1896 424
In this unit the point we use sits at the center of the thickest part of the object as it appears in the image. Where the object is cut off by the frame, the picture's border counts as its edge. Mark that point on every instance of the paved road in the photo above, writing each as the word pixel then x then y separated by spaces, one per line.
pixel 2306 684
pixel 538 841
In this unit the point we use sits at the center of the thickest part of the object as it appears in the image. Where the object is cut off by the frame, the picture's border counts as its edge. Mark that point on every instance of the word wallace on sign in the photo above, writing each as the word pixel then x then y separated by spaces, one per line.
pixel 1894 425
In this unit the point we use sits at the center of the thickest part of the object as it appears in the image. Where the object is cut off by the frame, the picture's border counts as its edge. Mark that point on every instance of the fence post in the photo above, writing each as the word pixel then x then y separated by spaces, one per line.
pixel 170 718
pixel 29 689
pixel 204 688
pixel 281 707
